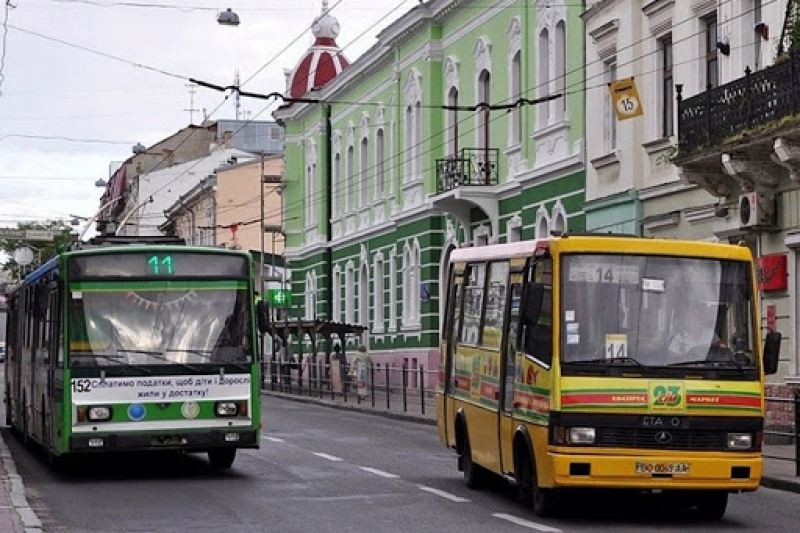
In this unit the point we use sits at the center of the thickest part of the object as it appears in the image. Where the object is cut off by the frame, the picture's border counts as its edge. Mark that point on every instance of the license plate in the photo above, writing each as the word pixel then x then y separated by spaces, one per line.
pixel 662 468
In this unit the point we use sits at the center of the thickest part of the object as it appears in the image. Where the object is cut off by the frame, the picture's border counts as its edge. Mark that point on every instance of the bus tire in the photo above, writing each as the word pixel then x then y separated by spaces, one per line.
pixel 24 423
pixel 221 458
pixel 711 505
pixel 9 421
pixel 474 474
pixel 544 501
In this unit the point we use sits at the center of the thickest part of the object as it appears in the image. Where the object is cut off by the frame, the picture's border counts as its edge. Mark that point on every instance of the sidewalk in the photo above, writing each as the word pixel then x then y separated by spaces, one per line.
pixel 16 516
pixel 778 473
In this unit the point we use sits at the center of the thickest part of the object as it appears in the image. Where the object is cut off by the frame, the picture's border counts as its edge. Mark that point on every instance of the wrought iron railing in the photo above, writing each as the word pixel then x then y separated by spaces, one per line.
pixel 739 108
pixel 473 166
pixel 386 387
pixel 787 440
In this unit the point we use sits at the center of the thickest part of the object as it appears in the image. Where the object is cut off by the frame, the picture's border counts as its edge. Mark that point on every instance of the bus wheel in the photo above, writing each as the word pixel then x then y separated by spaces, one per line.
pixel 474 475
pixel 24 423
pixel 57 463
pixel 544 501
pixel 711 505
pixel 221 458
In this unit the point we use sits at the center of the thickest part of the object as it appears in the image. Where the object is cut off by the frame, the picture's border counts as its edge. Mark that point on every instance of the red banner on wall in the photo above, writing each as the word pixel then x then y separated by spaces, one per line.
pixel 772 273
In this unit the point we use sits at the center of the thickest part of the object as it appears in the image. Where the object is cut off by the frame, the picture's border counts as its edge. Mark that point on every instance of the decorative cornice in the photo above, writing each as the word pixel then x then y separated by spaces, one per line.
pixel 659 13
pixel 605 38
pixel 703 7
pixel 662 221
pixel 605 160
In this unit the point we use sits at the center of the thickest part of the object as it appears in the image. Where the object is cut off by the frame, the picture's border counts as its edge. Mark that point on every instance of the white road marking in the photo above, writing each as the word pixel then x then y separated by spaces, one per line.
pixel 274 439
pixel 526 523
pixel 379 472
pixel 328 457
pixel 443 494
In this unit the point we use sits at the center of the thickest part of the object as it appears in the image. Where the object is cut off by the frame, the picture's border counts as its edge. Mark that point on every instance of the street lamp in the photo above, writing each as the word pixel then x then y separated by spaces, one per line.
pixel 228 18
pixel 101 183
pixel 138 148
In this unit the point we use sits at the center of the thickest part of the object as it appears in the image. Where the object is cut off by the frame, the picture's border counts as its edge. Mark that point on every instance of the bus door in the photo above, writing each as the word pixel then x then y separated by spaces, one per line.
pixel 516 284
pixel 452 321
pixel 13 356
pixel 55 377
pixel 492 343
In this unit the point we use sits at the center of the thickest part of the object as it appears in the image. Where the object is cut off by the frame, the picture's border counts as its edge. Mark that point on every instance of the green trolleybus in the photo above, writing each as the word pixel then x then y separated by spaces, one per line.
pixel 130 347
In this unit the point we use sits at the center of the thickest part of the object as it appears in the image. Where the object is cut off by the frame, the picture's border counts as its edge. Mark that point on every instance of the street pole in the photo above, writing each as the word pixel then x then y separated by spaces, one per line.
pixel 261 190
pixel 261 282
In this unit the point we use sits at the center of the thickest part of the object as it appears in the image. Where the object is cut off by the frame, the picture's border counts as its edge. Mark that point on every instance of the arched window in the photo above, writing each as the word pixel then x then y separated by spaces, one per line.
pixel 349 296
pixel 411 286
pixel 412 94
pixel 337 185
pixel 311 182
pixel 417 140
pixel 380 164
pixel 515 115
pixel 350 195
pixel 484 96
pixel 378 296
pixel 364 174
pixel 363 295
pixel 543 83
pixel 336 296
pixel 542 228
pixel 451 149
pixel 311 296
pixel 409 147
pixel 560 72
pixel 393 290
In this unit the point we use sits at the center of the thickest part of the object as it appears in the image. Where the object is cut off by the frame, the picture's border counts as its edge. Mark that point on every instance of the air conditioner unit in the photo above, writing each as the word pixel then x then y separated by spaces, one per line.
pixel 756 210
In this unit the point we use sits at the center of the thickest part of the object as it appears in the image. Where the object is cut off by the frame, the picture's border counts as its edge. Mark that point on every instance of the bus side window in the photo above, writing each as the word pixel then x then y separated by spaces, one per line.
pixel 537 317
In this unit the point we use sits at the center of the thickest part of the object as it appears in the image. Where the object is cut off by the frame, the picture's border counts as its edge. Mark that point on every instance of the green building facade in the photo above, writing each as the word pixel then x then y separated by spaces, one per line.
pixel 397 160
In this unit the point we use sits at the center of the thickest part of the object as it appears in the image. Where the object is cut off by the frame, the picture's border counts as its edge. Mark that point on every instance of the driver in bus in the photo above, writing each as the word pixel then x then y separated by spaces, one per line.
pixel 697 336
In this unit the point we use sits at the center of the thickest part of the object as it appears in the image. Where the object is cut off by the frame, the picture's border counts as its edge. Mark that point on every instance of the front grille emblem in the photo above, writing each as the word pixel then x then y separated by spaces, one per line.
pixel 663 437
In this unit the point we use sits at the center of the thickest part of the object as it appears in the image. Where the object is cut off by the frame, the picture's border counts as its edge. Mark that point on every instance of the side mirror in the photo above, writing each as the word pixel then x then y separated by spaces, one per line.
pixel 262 317
pixel 772 349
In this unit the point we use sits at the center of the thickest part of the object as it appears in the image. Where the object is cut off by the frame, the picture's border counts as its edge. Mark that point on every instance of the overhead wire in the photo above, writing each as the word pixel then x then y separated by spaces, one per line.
pixel 535 87
pixel 278 96
pixel 4 41
pixel 401 156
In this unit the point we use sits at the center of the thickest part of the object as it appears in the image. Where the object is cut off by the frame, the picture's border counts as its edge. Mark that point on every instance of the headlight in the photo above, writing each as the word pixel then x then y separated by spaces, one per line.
pixel 581 435
pixel 740 441
pixel 99 413
pixel 226 409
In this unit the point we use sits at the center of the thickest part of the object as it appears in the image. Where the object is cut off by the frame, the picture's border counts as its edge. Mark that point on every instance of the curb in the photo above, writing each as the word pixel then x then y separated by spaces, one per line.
pixel 16 491
pixel 780 484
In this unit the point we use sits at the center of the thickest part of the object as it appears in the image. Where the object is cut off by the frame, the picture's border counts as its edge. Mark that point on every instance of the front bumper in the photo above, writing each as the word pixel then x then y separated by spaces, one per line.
pixel 741 472
pixel 176 440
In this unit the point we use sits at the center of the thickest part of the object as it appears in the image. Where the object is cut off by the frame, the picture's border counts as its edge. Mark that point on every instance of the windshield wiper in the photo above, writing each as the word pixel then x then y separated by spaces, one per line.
pixel 613 360
pixel 118 359
pixel 143 352
pixel 711 363
pixel 160 356
pixel 194 351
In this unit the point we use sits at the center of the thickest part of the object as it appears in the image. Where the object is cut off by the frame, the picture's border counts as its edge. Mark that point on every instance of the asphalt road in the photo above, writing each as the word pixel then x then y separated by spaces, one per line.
pixel 323 469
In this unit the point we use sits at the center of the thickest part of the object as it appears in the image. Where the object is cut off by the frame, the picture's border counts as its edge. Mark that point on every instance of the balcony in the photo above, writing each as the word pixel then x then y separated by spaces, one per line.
pixel 749 106
pixel 744 134
pixel 473 167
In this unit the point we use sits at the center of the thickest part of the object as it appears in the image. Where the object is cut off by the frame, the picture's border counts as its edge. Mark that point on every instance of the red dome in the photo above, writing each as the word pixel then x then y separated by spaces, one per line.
pixel 323 61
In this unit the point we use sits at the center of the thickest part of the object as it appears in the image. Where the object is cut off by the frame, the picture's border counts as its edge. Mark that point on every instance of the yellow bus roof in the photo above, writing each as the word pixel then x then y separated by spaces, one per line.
pixel 603 244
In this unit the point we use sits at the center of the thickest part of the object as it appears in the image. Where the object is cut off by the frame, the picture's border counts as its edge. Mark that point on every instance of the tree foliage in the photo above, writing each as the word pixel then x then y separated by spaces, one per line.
pixel 63 236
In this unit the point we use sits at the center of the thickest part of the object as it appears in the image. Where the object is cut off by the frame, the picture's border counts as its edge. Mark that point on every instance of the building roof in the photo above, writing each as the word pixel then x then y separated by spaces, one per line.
pixel 323 61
